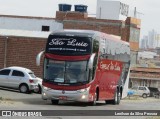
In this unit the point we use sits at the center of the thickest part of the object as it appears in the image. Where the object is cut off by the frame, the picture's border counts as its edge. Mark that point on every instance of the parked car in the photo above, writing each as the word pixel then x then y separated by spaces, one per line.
pixel 18 78
pixel 154 92
pixel 141 91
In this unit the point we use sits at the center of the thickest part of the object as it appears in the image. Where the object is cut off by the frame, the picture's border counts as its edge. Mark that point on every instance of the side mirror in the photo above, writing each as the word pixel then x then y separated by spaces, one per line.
pixel 38 58
pixel 91 60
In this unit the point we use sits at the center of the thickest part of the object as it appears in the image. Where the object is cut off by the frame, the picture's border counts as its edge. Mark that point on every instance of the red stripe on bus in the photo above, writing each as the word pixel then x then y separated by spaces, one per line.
pixel 58 57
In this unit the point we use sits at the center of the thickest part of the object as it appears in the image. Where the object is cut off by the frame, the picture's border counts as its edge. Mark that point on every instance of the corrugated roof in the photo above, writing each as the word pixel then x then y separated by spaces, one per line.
pixel 24 33
pixel 145 76
pixel 141 69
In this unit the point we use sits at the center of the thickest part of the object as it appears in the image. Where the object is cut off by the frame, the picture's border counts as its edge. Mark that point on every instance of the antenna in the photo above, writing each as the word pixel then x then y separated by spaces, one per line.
pixel 136 12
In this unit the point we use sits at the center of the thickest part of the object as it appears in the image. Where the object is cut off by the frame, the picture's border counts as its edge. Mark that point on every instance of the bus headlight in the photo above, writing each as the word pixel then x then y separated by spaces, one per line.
pixel 83 90
pixel 45 88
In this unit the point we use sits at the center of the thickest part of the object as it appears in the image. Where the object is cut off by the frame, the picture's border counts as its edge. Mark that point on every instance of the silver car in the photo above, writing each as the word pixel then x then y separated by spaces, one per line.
pixel 18 78
pixel 141 91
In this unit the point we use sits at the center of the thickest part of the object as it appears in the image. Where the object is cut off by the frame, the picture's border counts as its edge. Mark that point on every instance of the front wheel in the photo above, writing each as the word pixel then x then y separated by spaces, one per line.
pixel 144 95
pixel 93 103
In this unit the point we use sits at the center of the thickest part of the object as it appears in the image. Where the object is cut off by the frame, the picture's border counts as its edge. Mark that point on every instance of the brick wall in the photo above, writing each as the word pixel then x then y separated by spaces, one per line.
pixel 22 52
pixel 77 20
pixel 2 50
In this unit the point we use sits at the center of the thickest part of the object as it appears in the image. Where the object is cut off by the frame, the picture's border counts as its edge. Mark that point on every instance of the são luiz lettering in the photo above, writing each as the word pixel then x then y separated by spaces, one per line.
pixel 70 42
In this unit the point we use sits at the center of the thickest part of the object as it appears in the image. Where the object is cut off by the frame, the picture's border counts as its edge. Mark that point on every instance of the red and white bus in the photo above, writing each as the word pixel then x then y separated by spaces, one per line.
pixel 84 66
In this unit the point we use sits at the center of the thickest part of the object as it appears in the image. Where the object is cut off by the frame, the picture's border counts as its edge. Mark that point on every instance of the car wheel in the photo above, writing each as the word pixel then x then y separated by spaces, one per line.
pixel 144 95
pixel 23 88
pixel 38 90
pixel 54 102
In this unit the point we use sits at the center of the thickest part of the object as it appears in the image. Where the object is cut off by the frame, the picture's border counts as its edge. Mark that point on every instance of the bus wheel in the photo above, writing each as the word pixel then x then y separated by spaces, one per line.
pixel 93 103
pixel 54 102
pixel 117 97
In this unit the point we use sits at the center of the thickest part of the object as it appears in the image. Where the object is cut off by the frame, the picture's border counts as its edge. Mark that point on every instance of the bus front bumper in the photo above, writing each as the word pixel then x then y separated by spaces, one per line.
pixel 76 95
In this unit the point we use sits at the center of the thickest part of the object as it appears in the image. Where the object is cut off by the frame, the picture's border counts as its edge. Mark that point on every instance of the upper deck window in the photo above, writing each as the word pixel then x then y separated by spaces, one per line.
pixel 69 45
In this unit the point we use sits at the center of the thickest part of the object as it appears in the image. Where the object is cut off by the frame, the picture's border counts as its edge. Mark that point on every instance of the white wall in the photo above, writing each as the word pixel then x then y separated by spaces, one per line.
pixel 31 24
pixel 110 10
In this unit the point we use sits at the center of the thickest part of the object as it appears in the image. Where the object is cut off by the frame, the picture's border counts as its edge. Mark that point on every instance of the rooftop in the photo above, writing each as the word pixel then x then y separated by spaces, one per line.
pixel 24 33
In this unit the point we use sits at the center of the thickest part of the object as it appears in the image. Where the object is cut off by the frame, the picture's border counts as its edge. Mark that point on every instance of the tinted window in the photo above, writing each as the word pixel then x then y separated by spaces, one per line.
pixel 69 45
pixel 18 73
pixel 5 72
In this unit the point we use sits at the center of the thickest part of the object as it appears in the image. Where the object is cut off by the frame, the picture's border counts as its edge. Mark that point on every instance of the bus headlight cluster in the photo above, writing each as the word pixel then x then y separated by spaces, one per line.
pixel 45 88
pixel 83 90
pixel 83 96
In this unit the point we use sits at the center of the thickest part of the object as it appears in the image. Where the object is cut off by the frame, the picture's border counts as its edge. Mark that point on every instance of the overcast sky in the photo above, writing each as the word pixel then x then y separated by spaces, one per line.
pixel 150 9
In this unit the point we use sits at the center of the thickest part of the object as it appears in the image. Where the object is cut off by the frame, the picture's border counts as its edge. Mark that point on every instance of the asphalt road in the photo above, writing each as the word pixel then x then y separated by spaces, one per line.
pixel 13 100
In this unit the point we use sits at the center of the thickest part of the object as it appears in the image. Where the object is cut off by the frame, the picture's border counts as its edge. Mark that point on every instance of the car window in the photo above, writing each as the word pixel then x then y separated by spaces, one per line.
pixel 5 72
pixel 17 73
pixel 141 88
pixel 32 74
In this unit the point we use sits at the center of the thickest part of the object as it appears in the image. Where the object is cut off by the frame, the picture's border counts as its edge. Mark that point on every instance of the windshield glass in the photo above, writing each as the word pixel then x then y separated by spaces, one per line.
pixel 65 72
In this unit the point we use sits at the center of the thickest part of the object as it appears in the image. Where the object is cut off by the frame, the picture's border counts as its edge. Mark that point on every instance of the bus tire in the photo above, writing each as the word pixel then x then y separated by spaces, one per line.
pixel 54 102
pixel 117 97
pixel 93 103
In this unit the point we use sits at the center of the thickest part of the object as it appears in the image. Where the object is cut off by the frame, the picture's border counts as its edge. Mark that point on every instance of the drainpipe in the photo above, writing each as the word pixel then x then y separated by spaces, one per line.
pixel 5 51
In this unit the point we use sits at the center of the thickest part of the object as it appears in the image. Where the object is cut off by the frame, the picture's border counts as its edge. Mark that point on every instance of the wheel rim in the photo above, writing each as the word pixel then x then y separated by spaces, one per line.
pixel 95 98
pixel 144 95
pixel 116 97
pixel 23 88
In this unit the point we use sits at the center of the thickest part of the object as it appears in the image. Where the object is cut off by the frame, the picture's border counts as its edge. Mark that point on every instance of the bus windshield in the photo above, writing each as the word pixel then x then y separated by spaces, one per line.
pixel 65 72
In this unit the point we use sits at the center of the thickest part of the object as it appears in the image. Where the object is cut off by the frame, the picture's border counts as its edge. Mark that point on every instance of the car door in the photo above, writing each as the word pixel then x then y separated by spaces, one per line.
pixel 4 77
pixel 16 78
pixel 141 90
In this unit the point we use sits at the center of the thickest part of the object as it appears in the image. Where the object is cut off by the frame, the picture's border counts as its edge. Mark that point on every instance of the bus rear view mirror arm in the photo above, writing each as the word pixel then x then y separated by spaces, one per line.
pixel 91 60
pixel 38 58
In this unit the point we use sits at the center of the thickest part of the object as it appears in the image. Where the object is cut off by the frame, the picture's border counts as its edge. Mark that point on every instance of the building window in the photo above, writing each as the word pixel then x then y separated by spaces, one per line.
pixel 45 28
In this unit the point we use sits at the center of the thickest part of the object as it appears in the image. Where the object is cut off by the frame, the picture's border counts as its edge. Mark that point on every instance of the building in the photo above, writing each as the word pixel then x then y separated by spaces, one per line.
pixel 113 10
pixel 144 42
pixel 152 39
pixel 141 76
pixel 29 23
pixel 20 48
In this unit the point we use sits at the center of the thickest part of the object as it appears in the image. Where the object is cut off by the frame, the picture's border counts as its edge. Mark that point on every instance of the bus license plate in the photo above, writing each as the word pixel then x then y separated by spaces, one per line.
pixel 63 97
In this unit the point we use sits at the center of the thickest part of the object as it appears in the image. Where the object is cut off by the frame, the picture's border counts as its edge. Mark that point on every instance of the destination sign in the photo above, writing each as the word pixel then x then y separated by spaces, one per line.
pixel 67 45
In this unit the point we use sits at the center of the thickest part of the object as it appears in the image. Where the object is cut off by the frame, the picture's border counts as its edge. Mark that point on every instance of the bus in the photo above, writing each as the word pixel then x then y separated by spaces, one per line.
pixel 84 66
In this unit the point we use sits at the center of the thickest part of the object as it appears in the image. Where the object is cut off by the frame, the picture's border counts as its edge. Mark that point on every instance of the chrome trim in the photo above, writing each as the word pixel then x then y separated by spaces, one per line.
pixel 91 60
pixel 38 58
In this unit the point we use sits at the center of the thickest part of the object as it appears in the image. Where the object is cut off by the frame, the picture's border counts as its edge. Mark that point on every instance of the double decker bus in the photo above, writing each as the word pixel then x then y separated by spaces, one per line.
pixel 84 66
